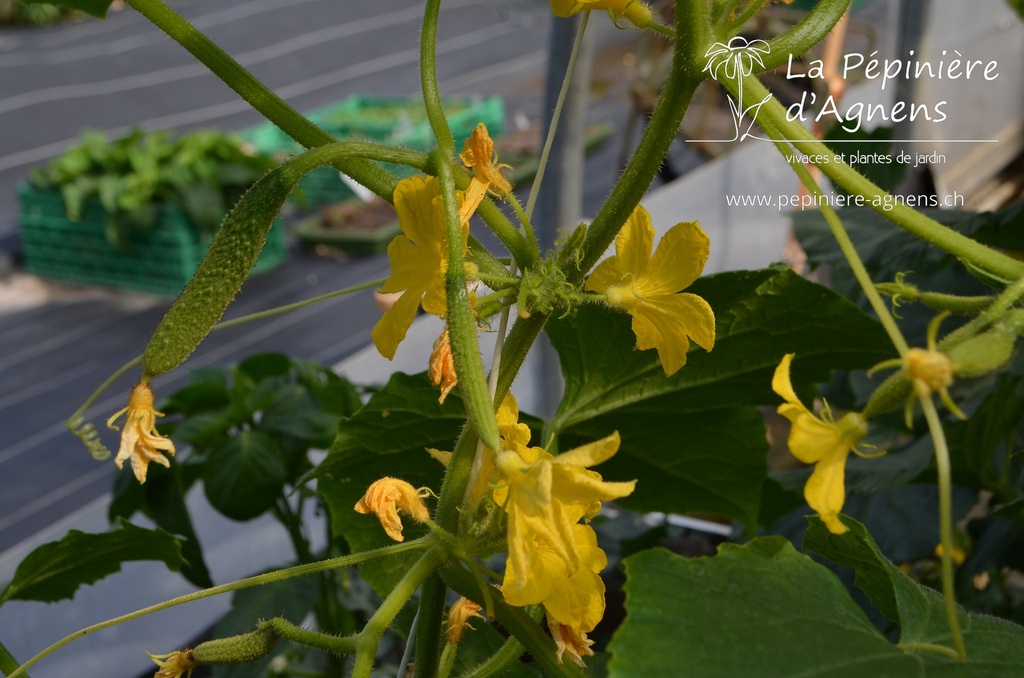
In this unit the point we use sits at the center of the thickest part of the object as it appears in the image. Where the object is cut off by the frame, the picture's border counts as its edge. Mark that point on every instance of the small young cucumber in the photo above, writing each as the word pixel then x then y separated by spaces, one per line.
pixel 228 262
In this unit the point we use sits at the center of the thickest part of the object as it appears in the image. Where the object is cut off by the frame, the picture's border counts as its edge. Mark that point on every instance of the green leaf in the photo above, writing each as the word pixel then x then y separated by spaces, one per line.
pixel 54 571
pixel 245 476
pixel 387 437
pixel 695 439
pixel 995 647
pixel 97 8
pixel 162 499
pixel 761 609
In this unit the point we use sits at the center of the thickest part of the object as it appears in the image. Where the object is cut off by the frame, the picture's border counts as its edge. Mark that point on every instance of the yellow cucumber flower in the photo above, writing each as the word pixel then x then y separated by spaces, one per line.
pixel 478 154
pixel 174 664
pixel 545 496
pixel 571 641
pixel 648 287
pixel 441 370
pixel 140 441
pixel 419 261
pixel 461 612
pixel 633 11
pixel 386 497
pixel 823 442
pixel 575 599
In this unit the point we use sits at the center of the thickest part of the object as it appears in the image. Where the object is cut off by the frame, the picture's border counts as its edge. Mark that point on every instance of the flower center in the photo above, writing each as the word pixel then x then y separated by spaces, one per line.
pixel 622 296
pixel 931 368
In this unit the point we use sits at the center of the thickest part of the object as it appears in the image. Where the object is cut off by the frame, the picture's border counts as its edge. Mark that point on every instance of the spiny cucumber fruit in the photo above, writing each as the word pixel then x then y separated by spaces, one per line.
pixel 228 262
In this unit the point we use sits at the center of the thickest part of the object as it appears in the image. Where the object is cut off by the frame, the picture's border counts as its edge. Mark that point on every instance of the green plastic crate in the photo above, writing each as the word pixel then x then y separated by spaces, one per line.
pixel 160 262
pixel 420 137
pixel 398 121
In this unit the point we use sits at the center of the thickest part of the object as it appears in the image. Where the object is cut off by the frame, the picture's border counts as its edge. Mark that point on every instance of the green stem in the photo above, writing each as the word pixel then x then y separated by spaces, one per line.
pixel 942 466
pixel 943 237
pixel 684 76
pixel 267 578
pixel 545 153
pixel 428 79
pixel 429 627
pixel 524 219
pixel 389 609
pixel 258 95
pixel 319 641
pixel 269 313
pixel 500 663
pixel 462 324
pixel 953 303
pixel 928 647
pixel 7 661
pixel 517 621
pixel 845 244
pixel 663 30
pixel 1003 303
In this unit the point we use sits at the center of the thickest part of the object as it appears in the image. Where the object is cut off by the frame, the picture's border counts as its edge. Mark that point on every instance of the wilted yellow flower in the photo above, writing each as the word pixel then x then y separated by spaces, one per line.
pixel 140 441
pixel 387 496
pixel 174 665
pixel 571 641
pixel 442 366
pixel 419 261
pixel 823 442
pixel 545 496
pixel 478 154
pixel 462 610
pixel 646 287
pixel 634 11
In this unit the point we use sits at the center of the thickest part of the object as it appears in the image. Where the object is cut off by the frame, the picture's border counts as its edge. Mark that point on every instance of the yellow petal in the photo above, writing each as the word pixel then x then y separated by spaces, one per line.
pixel 677 262
pixel 590 454
pixel 781 383
pixel 412 266
pixel 607 274
pixel 666 323
pixel 825 491
pixel 392 327
pixel 418 213
pixel 634 242
pixel 578 601
pixel 811 439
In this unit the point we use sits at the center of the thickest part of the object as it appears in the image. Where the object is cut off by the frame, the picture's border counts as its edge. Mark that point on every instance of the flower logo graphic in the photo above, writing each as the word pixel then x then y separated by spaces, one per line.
pixel 735 60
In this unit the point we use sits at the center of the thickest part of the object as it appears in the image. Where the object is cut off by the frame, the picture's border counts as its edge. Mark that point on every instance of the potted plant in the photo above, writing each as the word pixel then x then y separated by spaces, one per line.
pixel 137 213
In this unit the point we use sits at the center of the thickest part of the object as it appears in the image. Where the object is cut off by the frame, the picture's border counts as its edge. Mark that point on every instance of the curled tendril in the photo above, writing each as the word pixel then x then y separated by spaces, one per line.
pixel 86 432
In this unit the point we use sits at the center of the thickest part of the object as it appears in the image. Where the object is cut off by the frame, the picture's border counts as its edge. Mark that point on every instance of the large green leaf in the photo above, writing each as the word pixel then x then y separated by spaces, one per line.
pixel 97 8
pixel 995 647
pixel 695 440
pixel 162 499
pixel 54 571
pixel 761 609
pixel 245 475
pixel 389 436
